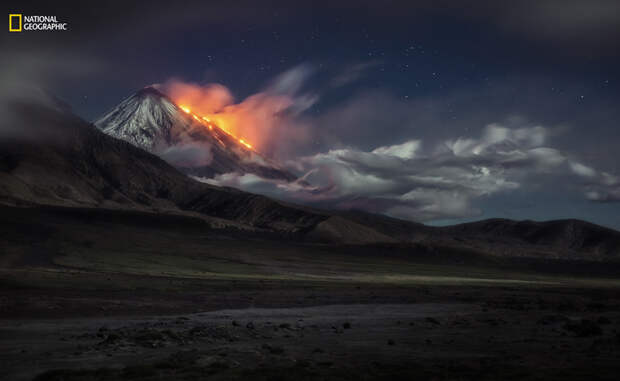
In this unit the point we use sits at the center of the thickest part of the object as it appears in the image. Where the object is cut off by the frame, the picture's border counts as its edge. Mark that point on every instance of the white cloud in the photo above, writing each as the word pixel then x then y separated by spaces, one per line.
pixel 443 181
pixel 582 170
pixel 603 187
pixel 406 150
pixel 353 73
pixel 189 155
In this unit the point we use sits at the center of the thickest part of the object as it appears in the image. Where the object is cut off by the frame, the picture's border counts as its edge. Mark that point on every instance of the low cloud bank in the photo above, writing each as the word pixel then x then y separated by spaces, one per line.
pixel 441 181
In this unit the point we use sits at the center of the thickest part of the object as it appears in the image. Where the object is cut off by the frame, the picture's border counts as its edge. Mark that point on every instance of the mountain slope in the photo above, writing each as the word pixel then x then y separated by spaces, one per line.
pixel 152 121
pixel 147 120
pixel 81 167
pixel 58 159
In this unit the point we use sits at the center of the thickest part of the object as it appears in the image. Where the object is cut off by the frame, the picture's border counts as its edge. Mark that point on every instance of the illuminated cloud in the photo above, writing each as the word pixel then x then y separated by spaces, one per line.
pixel 266 119
pixel 440 182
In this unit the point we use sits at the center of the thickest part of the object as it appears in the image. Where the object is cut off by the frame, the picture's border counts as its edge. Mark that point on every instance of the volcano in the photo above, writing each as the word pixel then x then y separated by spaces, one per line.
pixel 61 162
pixel 197 146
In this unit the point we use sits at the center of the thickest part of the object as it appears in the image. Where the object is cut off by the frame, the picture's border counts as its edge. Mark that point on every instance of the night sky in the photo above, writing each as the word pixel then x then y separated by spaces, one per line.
pixel 430 111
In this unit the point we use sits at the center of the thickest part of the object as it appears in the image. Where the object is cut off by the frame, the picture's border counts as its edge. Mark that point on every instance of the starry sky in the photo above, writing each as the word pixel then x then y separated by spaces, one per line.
pixel 436 111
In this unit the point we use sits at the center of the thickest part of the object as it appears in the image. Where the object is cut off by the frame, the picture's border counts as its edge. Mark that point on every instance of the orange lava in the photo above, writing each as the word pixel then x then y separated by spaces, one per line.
pixel 207 121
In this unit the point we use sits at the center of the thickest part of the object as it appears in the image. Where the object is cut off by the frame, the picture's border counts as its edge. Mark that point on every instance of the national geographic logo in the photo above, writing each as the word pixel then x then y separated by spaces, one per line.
pixel 19 23
pixel 15 23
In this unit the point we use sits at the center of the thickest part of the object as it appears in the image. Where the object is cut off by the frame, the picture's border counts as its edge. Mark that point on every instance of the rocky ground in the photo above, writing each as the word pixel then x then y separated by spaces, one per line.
pixel 327 332
pixel 109 296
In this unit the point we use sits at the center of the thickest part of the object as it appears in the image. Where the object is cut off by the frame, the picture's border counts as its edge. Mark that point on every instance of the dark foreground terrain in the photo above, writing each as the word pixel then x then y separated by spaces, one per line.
pixel 311 330
pixel 117 295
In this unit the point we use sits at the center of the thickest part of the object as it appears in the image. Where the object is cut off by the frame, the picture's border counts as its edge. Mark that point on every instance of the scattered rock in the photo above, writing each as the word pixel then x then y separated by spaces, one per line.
pixel 552 319
pixel 149 338
pixel 602 320
pixel 493 322
pixel 218 365
pixel 584 328
pixel 180 359
pixel 346 325
pixel 596 306
pixel 275 350
pixel 432 320
pixel 110 340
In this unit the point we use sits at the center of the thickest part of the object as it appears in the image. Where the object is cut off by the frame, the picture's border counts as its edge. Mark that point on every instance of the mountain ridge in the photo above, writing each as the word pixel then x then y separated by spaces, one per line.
pixel 85 168
pixel 149 119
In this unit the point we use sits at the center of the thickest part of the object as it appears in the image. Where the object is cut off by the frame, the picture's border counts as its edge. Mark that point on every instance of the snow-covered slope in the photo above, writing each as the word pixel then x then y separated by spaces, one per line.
pixel 146 119
pixel 151 121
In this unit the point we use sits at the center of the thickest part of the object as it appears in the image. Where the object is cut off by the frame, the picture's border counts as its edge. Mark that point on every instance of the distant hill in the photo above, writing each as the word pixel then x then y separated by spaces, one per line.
pixel 562 239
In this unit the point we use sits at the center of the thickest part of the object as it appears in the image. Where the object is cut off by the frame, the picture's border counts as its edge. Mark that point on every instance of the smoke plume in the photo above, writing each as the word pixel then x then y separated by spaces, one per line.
pixel 269 120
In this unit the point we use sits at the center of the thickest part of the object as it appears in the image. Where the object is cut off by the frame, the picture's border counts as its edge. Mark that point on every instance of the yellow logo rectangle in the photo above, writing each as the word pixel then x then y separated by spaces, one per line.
pixel 13 17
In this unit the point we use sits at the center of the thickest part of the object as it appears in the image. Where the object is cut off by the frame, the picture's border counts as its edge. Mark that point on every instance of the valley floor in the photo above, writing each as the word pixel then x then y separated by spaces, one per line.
pixel 300 330
pixel 125 296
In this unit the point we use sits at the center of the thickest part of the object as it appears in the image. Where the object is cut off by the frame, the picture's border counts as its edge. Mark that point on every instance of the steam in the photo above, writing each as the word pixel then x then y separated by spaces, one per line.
pixel 188 155
pixel 270 120
pixel 207 99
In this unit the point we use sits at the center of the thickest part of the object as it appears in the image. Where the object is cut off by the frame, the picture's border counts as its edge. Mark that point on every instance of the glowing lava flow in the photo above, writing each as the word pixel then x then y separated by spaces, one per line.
pixel 203 119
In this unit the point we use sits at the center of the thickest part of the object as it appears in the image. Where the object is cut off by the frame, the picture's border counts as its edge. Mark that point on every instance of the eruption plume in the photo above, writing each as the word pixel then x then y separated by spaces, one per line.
pixel 266 122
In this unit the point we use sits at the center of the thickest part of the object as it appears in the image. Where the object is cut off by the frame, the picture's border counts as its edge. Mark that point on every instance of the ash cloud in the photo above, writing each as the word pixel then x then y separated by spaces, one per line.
pixel 208 99
pixel 265 119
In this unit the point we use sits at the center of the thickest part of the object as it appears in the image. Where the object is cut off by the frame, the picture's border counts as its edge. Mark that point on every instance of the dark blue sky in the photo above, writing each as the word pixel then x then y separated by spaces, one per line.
pixel 431 71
